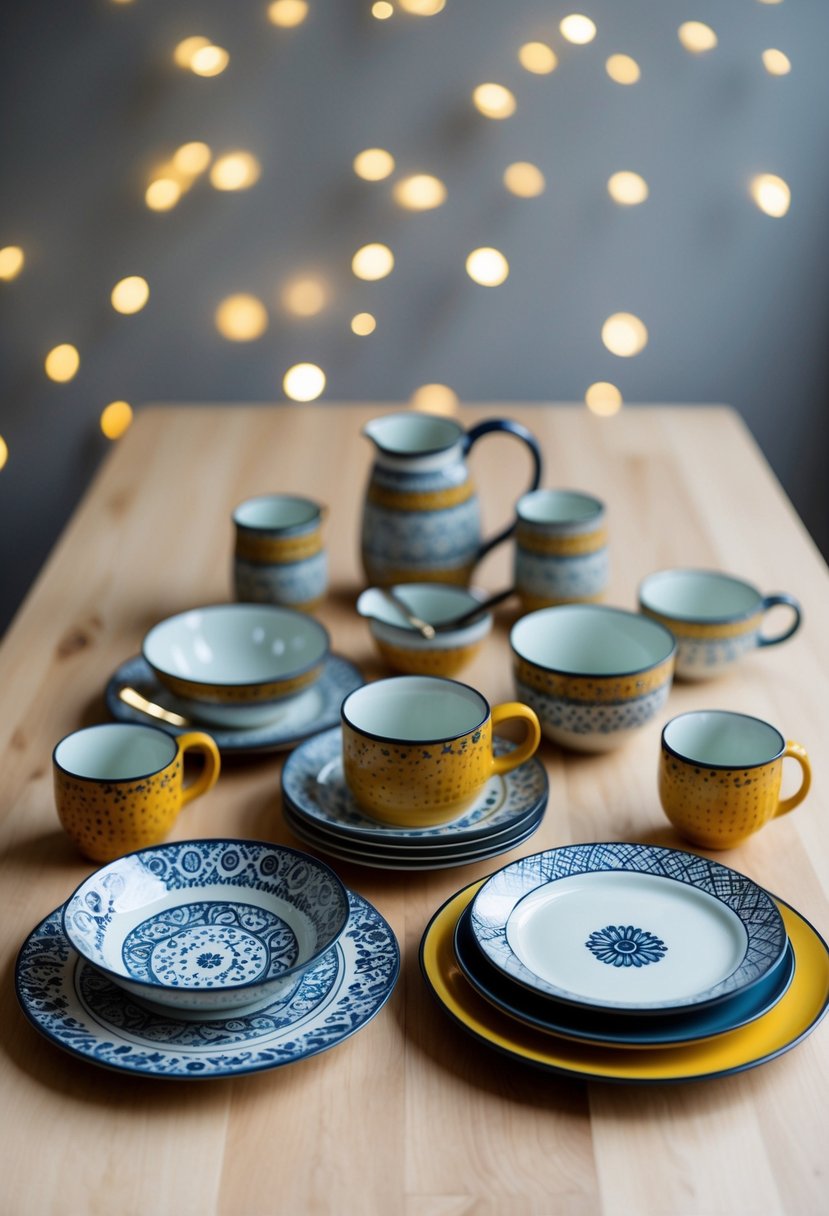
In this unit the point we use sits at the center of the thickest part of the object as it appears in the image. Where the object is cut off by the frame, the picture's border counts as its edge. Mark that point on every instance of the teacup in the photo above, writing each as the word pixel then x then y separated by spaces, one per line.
pixel 560 548
pixel 720 774
pixel 119 787
pixel 417 750
pixel 404 648
pixel 279 556
pixel 715 618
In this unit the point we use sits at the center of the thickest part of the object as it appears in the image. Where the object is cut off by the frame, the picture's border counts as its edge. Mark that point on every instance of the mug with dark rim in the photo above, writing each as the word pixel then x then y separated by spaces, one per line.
pixel 561 554
pixel 279 556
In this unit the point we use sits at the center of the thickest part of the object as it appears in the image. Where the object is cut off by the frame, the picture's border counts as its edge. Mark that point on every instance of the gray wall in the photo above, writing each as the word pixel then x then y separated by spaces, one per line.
pixel 736 303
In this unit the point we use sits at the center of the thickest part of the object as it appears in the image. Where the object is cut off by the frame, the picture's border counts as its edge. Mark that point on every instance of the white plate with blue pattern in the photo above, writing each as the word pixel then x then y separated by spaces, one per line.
pixel 632 928
pixel 82 1011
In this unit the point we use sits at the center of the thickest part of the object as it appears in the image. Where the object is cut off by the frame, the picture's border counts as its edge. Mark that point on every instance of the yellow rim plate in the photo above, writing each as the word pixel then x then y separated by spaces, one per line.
pixel 795 1015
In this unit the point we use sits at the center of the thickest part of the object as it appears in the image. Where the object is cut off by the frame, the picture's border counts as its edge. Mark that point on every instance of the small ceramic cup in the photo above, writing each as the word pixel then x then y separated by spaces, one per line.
pixel 119 787
pixel 417 750
pixel 279 556
pixel 720 775
pixel 403 648
pixel 560 548
pixel 715 618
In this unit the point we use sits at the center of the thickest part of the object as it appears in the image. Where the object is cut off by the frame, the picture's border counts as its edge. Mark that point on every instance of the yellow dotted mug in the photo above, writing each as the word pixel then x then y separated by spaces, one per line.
pixel 119 787
pixel 720 776
pixel 417 750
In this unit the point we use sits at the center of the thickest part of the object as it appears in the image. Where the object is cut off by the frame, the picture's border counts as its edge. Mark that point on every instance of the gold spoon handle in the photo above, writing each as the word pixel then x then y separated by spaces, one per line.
pixel 423 627
pixel 133 698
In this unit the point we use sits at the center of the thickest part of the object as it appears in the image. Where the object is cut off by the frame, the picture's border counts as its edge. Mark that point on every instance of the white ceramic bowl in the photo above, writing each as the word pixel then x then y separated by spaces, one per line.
pixel 207 925
pixel 403 648
pixel 232 663
pixel 594 675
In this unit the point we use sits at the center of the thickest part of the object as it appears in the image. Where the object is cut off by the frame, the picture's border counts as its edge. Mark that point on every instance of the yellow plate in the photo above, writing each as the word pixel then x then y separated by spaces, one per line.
pixel 795 1015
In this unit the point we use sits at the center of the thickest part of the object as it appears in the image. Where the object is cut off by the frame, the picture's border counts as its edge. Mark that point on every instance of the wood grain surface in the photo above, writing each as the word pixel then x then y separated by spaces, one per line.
pixel 409 1116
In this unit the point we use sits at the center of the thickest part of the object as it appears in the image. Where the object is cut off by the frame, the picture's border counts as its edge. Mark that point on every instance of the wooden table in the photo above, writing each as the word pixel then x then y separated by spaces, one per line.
pixel 409 1116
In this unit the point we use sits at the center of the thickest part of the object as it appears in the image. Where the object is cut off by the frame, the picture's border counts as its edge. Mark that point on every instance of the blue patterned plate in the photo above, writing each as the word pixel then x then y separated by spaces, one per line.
pixel 82 1011
pixel 627 927
pixel 298 718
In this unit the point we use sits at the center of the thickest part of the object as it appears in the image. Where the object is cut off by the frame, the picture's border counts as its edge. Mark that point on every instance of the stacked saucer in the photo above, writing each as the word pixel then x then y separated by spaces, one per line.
pixel 627 962
pixel 320 809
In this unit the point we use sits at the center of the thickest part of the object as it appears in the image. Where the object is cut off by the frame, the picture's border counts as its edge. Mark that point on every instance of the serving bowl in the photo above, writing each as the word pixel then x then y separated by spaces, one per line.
pixel 207 925
pixel 400 644
pixel 232 663
pixel 594 675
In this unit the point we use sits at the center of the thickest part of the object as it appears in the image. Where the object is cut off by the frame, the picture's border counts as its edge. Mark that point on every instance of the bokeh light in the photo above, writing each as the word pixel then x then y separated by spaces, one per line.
pixel 373 164
pixel 435 399
pixel 12 260
pixel 235 171
pixel 186 49
pixel 241 317
pixel 524 179
pixel 287 13
pixel 578 29
pixel 487 266
pixel 420 192
pixel 4 452
pixel 304 297
pixel 116 418
pixel 162 194
pixel 603 398
pixel 192 159
pixel 776 63
pixel 372 262
pixel 771 194
pixel 623 69
pixel 130 295
pixel 209 61
pixel 538 58
pixel 627 188
pixel 382 10
pixel 624 334
pixel 303 382
pixel 494 100
pixel 697 37
pixel 363 324
pixel 422 8
pixel 62 362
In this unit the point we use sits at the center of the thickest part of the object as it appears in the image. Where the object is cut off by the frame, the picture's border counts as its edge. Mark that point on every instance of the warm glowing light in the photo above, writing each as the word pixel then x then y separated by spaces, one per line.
pixel 435 399
pixel 162 194
pixel 192 159
pixel 624 335
pixel 538 58
pixel 62 362
pixel 12 258
pixel 235 171
pixel 776 63
pixel 603 398
pixel 420 192
pixel 771 194
pixel 382 10
pixel 304 297
pixel 422 8
pixel 130 295
pixel 627 188
pixel 303 382
pixel 241 318
pixel 697 37
pixel 524 179
pixel 372 262
pixel 4 452
pixel 184 52
pixel 578 29
pixel 623 69
pixel 494 100
pixel 770 1
pixel 488 267
pixel 209 61
pixel 363 324
pixel 373 164
pixel 116 418
pixel 287 13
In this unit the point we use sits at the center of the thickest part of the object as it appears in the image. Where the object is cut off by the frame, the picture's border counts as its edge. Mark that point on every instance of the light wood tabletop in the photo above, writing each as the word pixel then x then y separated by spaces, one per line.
pixel 410 1115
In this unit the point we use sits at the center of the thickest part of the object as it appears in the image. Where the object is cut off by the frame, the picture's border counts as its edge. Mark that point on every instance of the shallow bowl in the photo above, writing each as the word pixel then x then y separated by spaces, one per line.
pixel 403 648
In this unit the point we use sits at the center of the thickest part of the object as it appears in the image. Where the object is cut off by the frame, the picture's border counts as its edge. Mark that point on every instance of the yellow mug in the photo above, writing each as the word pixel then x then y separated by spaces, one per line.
pixel 417 750
pixel 119 787
pixel 720 776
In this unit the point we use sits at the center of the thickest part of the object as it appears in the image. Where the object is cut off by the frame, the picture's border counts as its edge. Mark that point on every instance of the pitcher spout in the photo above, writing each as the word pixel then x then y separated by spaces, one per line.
pixel 412 434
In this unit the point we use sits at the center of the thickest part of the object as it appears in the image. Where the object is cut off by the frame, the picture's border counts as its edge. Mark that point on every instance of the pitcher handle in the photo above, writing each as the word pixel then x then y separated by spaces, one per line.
pixel 511 428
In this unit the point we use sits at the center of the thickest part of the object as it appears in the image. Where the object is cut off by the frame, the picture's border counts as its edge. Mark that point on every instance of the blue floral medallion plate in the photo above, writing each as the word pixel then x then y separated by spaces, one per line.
pixel 82 1011
pixel 316 709
pixel 630 928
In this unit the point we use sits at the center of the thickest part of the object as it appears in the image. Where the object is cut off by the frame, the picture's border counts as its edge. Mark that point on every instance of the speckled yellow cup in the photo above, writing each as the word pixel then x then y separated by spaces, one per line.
pixel 720 776
pixel 119 787
pixel 417 750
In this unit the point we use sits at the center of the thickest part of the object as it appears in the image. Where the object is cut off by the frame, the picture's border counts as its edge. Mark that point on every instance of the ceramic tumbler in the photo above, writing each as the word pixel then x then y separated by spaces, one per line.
pixel 561 554
pixel 119 787
pixel 279 556
pixel 720 775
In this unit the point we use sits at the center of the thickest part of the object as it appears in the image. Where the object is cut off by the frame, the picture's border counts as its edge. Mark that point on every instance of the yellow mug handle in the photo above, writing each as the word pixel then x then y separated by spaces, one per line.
pixel 505 713
pixel 207 778
pixel 798 753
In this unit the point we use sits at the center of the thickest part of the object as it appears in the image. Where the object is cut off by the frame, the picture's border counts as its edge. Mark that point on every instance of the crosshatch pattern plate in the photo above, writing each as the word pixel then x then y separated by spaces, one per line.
pixel 628 927
pixel 80 1010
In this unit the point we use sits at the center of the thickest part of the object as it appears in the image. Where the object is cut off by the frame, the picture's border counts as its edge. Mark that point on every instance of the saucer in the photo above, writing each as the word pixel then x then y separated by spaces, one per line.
pixel 314 710
pixel 82 1011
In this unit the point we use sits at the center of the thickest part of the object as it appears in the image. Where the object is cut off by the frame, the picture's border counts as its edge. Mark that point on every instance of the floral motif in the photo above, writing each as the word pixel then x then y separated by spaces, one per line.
pixel 625 946
pixel 209 960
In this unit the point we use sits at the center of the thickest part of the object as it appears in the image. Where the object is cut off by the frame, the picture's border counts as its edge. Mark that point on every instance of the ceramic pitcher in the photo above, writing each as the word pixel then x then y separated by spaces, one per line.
pixel 421 519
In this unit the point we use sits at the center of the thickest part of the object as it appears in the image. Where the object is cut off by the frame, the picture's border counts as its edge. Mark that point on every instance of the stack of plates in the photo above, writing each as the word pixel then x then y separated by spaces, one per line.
pixel 627 962
pixel 319 808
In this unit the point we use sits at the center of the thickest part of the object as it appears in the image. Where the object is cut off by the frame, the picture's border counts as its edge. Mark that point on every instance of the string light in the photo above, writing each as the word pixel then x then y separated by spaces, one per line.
pixel 420 192
pixel 186 49
pixel 494 100
pixel 303 382
pixel 363 324
pixel 192 159
pixel 603 398
pixel 624 335
pixel 287 13
pixel 12 260
pixel 382 10
pixel 487 266
pixel 304 297
pixel 235 171
pixel 162 194
pixel 578 29
pixel 372 262
pixel 697 37
pixel 422 8
pixel 771 194
pixel 627 188
pixel 435 399
pixel 769 1
pixel 241 318
pixel 130 294
pixel 373 164
pixel 209 61
pixel 62 363
pixel 116 418
pixel 776 63
pixel 524 179
pixel 623 69
pixel 538 58
pixel 4 452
